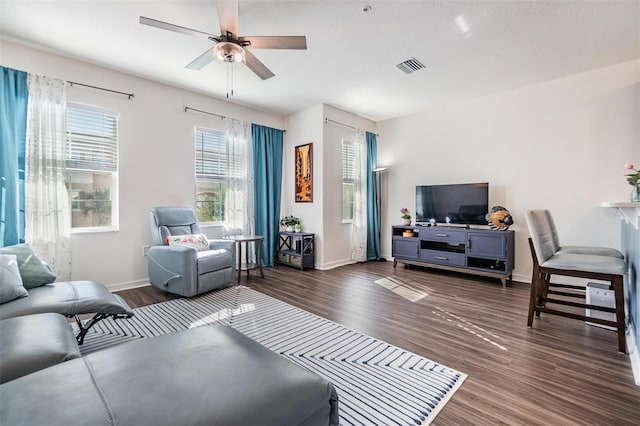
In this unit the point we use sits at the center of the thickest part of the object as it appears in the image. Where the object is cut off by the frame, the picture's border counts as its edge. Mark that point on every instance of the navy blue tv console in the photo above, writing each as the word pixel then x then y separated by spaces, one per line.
pixel 473 251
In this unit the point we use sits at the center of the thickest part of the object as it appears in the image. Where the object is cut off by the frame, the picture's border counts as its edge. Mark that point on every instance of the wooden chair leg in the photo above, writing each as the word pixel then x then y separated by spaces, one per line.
pixel 543 286
pixel 533 295
pixel 617 283
pixel 547 281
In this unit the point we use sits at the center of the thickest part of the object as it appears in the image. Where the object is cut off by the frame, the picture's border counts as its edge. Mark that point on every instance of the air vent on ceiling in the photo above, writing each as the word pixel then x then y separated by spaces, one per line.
pixel 411 65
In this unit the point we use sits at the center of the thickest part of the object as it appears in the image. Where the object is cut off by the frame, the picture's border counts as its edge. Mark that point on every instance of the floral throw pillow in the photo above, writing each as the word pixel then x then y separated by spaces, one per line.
pixel 196 241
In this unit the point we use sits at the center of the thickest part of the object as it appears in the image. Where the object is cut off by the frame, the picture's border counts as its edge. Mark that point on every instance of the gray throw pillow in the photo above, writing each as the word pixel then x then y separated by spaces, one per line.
pixel 34 273
pixel 11 287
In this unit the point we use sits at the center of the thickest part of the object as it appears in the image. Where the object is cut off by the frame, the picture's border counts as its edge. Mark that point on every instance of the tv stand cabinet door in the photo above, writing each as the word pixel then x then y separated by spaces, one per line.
pixel 487 245
pixel 405 248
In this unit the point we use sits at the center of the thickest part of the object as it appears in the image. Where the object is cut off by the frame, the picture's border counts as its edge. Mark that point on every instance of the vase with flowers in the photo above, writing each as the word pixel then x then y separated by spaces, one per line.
pixel 634 180
pixel 405 216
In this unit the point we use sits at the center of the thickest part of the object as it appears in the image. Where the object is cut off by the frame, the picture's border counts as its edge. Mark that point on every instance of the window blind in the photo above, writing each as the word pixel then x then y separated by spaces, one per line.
pixel 211 154
pixel 92 138
pixel 348 161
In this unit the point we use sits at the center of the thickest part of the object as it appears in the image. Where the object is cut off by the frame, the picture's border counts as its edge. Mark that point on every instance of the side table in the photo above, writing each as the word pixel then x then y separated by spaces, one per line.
pixel 245 240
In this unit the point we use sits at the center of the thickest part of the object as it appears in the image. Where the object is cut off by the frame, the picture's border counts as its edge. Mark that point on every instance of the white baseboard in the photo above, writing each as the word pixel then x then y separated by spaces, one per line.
pixel 521 278
pixel 127 285
pixel 634 355
pixel 335 264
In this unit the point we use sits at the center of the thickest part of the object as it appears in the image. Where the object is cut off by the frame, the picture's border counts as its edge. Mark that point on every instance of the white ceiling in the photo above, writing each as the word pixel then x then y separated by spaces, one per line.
pixel 351 56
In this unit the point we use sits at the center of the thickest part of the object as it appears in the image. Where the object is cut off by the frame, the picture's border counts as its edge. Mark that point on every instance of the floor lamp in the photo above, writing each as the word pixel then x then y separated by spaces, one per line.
pixel 378 171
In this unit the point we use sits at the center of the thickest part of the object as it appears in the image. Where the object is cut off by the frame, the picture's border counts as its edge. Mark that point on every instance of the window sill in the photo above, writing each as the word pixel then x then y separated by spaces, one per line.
pixel 94 230
pixel 210 224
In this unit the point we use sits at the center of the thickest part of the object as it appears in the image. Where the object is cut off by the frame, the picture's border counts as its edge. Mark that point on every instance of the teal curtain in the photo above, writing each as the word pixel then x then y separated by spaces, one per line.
pixel 14 95
pixel 267 166
pixel 373 224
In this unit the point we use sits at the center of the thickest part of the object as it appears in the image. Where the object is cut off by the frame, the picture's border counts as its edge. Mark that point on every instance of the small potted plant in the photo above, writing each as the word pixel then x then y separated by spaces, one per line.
pixel 290 222
pixel 405 216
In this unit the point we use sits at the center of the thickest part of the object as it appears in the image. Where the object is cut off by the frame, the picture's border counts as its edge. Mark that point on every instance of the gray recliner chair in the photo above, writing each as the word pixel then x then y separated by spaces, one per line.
pixel 184 270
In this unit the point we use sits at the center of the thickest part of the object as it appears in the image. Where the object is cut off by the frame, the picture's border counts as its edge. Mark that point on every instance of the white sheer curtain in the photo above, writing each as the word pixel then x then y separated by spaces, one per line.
pixel 239 214
pixel 359 224
pixel 48 216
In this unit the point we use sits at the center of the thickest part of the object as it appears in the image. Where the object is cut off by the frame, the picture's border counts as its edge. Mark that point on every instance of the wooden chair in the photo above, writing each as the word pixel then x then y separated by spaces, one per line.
pixel 548 261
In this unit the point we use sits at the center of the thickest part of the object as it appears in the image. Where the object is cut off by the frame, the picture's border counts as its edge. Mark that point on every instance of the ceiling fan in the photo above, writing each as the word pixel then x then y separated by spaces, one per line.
pixel 229 47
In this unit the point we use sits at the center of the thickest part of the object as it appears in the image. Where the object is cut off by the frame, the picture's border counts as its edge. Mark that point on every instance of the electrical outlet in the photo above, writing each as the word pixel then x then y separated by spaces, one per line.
pixel 145 250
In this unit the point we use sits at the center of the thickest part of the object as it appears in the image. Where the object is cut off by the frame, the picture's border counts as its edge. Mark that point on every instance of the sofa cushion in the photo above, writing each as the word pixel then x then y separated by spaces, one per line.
pixel 197 241
pixel 33 342
pixel 11 287
pixel 34 273
pixel 67 298
pixel 214 260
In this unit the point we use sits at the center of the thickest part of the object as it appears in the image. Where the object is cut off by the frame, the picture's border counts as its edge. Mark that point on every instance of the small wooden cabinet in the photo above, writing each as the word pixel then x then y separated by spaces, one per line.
pixel 475 251
pixel 296 249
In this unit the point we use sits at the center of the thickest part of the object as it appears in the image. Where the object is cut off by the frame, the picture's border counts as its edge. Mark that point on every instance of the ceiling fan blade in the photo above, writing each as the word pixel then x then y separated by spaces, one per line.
pixel 176 28
pixel 205 59
pixel 228 16
pixel 277 42
pixel 256 66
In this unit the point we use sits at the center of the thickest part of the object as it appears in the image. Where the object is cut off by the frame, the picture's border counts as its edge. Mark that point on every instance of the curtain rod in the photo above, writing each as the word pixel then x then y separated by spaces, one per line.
pixel 328 120
pixel 130 95
pixel 186 108
pixel 222 117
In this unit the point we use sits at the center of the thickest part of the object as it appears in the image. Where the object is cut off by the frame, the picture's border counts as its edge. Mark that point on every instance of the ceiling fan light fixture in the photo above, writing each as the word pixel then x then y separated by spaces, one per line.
pixel 229 52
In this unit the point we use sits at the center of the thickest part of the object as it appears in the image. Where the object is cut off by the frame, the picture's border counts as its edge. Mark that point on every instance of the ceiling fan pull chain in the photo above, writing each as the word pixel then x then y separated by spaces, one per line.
pixel 228 80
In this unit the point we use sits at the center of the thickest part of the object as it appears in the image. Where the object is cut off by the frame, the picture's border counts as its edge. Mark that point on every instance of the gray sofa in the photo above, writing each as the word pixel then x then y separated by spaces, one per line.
pixel 27 287
pixel 210 375
pixel 185 270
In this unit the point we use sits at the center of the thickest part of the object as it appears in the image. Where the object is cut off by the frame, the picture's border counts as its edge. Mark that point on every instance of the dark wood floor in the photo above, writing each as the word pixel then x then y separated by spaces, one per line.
pixel 558 372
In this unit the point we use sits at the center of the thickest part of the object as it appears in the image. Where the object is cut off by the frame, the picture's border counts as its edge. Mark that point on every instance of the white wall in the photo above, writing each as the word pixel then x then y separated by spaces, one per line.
pixel 337 235
pixel 559 145
pixel 324 215
pixel 305 127
pixel 156 155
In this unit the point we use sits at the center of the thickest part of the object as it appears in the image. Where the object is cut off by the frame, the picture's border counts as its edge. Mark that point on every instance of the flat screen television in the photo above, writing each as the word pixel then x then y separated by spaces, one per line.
pixel 458 204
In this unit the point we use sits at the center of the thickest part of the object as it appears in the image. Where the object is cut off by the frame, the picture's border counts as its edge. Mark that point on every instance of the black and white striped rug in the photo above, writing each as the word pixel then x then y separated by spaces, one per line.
pixel 377 383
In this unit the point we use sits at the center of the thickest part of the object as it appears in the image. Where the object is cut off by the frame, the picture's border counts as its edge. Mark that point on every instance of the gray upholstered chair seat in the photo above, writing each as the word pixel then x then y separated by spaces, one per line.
pixel 213 260
pixel 33 342
pixel 587 263
pixel 591 251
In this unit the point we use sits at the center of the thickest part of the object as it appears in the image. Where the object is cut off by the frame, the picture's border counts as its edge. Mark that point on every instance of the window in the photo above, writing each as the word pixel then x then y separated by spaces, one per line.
pixel 92 167
pixel 348 180
pixel 211 175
